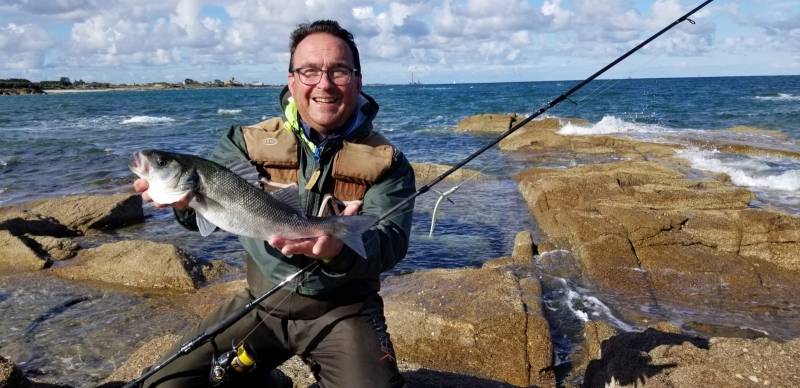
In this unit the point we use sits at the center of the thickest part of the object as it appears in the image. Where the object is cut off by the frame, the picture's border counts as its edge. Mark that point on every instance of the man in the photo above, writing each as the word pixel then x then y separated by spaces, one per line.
pixel 332 317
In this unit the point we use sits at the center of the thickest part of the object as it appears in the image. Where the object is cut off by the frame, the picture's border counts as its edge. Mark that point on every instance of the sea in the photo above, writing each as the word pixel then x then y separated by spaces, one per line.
pixel 77 143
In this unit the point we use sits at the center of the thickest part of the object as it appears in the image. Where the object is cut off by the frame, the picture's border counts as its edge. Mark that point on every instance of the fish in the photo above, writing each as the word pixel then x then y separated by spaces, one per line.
pixel 231 199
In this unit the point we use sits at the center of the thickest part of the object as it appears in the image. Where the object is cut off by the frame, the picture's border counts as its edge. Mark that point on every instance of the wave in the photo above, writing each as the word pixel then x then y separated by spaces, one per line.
pixel 756 172
pixel 228 112
pixel 147 120
pixel 779 97
pixel 609 124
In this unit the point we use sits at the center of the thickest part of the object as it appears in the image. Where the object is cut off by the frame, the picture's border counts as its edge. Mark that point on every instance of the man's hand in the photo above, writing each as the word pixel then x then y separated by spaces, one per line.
pixel 320 248
pixel 141 186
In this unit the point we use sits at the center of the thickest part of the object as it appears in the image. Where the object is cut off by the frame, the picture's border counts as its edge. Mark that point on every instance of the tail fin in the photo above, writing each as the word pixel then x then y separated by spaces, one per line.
pixel 351 230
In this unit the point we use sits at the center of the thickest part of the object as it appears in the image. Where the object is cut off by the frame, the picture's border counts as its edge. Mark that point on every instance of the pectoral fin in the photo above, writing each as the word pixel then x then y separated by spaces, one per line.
pixel 205 226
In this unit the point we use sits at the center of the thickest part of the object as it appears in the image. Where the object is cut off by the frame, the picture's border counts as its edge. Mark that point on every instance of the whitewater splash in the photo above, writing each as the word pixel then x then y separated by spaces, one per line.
pixel 228 112
pixel 758 172
pixel 144 120
pixel 779 97
pixel 586 306
pixel 608 125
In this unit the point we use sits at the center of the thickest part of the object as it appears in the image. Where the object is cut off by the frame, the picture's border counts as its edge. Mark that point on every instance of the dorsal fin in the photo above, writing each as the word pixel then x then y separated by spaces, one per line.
pixel 243 168
pixel 290 196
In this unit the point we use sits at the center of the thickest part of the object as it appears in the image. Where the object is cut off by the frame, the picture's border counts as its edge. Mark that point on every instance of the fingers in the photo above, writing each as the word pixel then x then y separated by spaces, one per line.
pixel 351 208
pixel 324 247
pixel 140 185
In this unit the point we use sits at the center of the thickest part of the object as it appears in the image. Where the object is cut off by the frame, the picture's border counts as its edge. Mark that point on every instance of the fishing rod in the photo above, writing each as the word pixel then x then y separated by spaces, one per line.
pixel 212 331
pixel 541 110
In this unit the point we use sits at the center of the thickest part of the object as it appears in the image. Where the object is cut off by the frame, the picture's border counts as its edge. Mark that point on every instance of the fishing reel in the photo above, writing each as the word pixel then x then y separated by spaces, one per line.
pixel 239 361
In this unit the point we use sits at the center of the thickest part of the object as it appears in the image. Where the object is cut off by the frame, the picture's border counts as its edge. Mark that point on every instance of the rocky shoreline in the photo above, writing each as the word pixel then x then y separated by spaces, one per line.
pixel 642 230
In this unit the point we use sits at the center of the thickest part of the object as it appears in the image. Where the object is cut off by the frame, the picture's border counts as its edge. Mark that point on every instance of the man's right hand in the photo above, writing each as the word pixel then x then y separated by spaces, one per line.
pixel 141 186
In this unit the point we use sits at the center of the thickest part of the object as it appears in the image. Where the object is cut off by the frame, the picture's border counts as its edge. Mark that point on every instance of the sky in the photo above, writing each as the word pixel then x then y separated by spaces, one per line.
pixel 138 41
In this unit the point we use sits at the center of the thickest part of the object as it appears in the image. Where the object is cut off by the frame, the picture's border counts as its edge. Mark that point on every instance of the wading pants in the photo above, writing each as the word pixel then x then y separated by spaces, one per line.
pixel 346 345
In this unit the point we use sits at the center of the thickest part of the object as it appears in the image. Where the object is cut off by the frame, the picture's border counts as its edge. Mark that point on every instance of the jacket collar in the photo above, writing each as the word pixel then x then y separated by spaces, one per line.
pixel 358 126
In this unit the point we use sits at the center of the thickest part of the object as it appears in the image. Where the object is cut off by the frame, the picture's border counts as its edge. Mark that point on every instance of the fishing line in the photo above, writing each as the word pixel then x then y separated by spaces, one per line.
pixel 211 332
pixel 613 82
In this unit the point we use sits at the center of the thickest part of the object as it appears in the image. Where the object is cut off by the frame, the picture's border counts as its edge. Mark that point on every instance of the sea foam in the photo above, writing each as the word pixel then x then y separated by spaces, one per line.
pixel 147 120
pixel 609 124
pixel 756 172
pixel 779 97
pixel 228 112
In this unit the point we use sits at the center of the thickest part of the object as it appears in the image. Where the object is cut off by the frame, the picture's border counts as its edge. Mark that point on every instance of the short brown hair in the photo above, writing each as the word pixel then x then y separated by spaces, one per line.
pixel 329 27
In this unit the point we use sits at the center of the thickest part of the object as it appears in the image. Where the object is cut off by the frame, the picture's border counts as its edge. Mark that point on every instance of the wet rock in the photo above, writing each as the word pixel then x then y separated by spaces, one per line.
pixel 486 123
pixel 426 172
pixel 655 359
pixel 56 248
pixel 146 356
pixel 11 375
pixel 759 131
pixel 744 149
pixel 522 255
pixel 542 136
pixel 642 229
pixel 481 322
pixel 136 263
pixel 85 212
pixel 17 257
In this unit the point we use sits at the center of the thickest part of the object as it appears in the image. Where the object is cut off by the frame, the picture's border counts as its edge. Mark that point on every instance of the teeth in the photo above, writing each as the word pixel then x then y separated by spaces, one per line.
pixel 324 100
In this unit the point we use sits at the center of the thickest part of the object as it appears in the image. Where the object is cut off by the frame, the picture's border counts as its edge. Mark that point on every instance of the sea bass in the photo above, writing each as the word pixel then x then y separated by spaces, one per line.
pixel 227 200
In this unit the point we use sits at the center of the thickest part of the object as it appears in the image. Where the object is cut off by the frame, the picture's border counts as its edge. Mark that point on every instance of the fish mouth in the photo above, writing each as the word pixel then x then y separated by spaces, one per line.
pixel 139 165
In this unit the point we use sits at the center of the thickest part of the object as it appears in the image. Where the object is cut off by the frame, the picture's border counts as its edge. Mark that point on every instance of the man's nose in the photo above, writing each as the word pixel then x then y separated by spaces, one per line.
pixel 325 80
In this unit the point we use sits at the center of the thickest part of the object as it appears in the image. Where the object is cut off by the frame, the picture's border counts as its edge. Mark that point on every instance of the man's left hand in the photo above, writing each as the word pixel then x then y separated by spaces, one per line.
pixel 320 248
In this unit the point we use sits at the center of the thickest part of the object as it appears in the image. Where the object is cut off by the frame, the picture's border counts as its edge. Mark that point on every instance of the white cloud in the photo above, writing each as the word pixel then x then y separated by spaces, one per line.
pixel 23 46
pixel 426 36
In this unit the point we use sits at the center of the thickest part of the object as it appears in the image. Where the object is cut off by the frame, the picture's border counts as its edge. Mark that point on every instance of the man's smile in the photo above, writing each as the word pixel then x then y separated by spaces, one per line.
pixel 325 100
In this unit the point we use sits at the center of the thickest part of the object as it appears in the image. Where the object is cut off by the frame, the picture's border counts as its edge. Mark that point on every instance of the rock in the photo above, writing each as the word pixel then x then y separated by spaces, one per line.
pixel 759 131
pixel 467 320
pixel 56 248
pixel 486 123
pixel 147 355
pixel 594 333
pixel 208 299
pixel 85 212
pixel 643 229
pixel 136 263
pixel 17 257
pixel 655 359
pixel 19 222
pixel 11 376
pixel 524 248
pixel 426 172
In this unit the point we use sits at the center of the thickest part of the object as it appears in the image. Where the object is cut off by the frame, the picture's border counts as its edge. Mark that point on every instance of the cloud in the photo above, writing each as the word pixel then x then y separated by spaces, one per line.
pixel 426 36
pixel 23 46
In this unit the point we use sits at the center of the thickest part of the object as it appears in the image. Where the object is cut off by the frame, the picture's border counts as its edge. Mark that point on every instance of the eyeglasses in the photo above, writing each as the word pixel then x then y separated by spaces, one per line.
pixel 338 75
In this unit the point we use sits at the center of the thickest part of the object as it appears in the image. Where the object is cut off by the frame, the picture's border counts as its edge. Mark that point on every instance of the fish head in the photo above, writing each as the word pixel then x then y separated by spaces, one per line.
pixel 170 176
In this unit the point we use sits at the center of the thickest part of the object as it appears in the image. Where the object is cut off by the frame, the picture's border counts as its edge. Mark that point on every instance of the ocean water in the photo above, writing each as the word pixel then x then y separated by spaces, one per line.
pixel 74 143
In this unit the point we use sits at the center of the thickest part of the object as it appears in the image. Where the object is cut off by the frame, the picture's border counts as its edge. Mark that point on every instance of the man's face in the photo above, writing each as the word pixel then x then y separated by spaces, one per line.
pixel 325 106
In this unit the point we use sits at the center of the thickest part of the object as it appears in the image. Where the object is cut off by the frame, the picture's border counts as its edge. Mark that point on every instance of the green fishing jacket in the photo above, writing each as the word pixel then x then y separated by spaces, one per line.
pixel 386 243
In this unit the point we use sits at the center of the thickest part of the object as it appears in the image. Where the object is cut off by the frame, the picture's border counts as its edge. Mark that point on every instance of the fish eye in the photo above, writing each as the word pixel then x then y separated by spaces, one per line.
pixel 161 162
